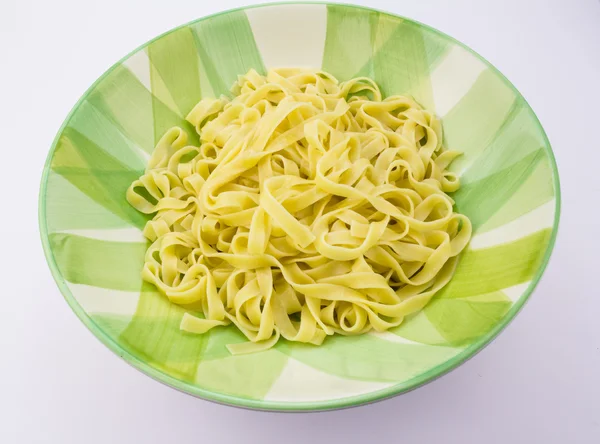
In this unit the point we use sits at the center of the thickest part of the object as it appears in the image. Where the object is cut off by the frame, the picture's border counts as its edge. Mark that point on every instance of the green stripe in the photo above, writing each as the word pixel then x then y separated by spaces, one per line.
pixel 111 324
pixel 154 336
pixel 210 74
pixel 404 56
pixel 481 199
pixel 174 76
pixel 227 49
pixel 398 54
pixel 100 263
pixel 348 44
pixel 495 268
pixel 473 122
pixel 368 358
pixel 126 103
pixel 68 208
pixel 97 174
pixel 249 376
pixel 174 58
pixel 537 190
pixel 518 137
pixel 461 321
pixel 418 328
pixel 164 120
pixel 92 124
pixel 123 100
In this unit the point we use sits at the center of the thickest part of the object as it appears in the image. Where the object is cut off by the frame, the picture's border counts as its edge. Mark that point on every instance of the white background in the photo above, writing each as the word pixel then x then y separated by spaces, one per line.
pixel 538 382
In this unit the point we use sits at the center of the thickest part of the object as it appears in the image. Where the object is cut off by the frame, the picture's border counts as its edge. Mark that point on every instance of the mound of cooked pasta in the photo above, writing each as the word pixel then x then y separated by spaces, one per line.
pixel 311 207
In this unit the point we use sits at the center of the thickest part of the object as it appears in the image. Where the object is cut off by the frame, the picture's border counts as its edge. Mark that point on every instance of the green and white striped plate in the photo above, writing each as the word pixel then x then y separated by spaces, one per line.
pixel 95 248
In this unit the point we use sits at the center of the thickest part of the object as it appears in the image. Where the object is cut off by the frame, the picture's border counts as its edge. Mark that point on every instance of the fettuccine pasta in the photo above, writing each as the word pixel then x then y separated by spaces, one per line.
pixel 310 208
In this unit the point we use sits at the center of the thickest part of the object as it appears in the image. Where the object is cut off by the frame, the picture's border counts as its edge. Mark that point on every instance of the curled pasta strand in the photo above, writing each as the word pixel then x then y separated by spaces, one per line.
pixel 310 208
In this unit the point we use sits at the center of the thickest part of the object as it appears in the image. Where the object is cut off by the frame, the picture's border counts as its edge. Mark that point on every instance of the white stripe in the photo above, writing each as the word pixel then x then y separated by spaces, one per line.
pixel 290 40
pixel 453 77
pixel 130 234
pixel 515 292
pixel 301 383
pixel 536 220
pixel 387 336
pixel 139 65
pixel 103 300
pixel 145 155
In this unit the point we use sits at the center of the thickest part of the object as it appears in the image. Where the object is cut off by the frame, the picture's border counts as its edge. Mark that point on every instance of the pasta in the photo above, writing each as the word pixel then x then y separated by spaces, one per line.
pixel 310 208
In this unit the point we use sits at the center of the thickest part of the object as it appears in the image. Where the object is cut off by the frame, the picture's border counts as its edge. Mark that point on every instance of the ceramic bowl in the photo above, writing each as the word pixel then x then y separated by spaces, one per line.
pixel 95 248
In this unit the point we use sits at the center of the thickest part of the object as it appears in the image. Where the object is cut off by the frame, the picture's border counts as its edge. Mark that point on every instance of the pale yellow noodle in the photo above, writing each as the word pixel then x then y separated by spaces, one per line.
pixel 311 207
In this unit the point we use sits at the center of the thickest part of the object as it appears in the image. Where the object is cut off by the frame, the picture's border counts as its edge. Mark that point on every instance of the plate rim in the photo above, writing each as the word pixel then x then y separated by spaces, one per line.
pixel 293 406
